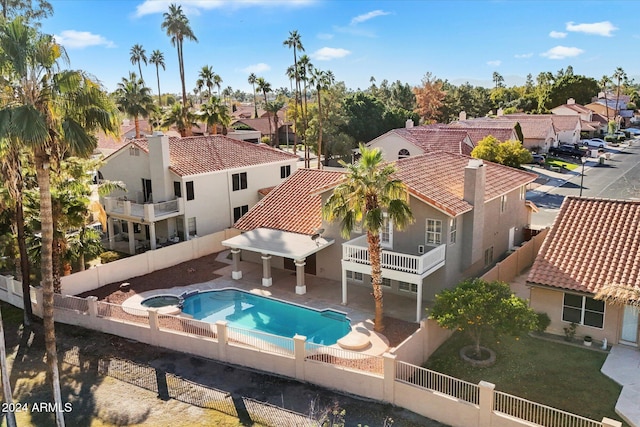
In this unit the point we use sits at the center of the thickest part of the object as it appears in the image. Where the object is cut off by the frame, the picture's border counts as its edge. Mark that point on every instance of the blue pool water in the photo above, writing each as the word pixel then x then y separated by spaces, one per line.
pixel 254 312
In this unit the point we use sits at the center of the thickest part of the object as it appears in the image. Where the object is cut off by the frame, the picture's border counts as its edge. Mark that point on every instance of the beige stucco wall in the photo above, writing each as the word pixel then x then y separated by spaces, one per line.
pixel 390 144
pixel 128 169
pixel 550 301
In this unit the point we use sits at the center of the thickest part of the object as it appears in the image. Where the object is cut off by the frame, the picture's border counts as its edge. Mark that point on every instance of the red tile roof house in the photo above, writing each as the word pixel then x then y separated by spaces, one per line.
pixel 182 187
pixel 468 213
pixel 567 127
pixel 537 134
pixel 592 245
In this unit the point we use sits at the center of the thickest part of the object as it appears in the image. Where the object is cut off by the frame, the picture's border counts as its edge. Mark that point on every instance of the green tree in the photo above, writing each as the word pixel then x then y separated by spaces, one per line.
pixel 575 86
pixel 252 81
pixel 486 149
pixel 321 80
pixel 368 192
pixel 25 8
pixel 294 42
pixel 513 154
pixel 619 75
pixel 498 80
pixel 180 117
pixel 477 307
pixel 214 113
pixel 138 55
pixel 157 59
pixel 272 109
pixel 364 116
pixel 134 99
pixel 177 27
pixel 265 87
pixel 52 112
pixel 205 79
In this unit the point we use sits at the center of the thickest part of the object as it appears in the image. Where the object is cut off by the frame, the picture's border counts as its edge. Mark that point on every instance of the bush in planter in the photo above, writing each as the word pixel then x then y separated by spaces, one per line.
pixel 570 332
pixel 610 138
pixel 109 256
pixel 543 321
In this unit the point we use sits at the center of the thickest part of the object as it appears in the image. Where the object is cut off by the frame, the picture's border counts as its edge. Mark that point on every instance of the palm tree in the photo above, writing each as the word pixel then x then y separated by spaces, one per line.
pixel 304 69
pixel 217 81
pixel 134 99
pixel 619 75
pixel 321 80
pixel 604 82
pixel 265 87
pixel 138 55
pixel 368 194
pixel 294 42
pixel 214 113
pixel 157 59
pixel 291 74
pixel 52 112
pixel 180 117
pixel 252 81
pixel 205 79
pixel 177 27
pixel 272 108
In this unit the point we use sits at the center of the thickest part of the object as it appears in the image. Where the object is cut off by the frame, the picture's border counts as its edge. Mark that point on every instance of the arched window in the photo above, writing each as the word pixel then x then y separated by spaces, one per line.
pixel 403 153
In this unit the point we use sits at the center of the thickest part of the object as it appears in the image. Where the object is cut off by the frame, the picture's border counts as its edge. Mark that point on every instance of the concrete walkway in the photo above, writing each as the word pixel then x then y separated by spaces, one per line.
pixel 623 366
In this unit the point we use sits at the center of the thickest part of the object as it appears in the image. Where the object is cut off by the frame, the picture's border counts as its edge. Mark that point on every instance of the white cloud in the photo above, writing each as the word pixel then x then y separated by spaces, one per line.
pixel 604 28
pixel 325 36
pixel 194 7
pixel 562 52
pixel 72 39
pixel 557 35
pixel 256 68
pixel 369 15
pixel 523 55
pixel 495 63
pixel 329 53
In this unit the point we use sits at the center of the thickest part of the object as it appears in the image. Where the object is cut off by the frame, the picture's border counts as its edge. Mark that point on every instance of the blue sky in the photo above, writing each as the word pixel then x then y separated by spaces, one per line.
pixel 394 40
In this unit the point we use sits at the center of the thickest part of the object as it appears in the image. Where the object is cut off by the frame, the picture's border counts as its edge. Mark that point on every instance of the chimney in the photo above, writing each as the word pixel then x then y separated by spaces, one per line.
pixel 473 222
pixel 571 101
pixel 462 115
pixel 159 162
pixel 500 112
pixel 409 124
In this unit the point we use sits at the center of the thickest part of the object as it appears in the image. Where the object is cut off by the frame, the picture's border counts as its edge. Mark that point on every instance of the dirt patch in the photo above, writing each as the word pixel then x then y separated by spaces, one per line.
pixel 397 330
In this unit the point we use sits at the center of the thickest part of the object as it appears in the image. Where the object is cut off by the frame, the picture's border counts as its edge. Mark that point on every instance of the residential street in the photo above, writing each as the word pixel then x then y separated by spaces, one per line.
pixel 619 178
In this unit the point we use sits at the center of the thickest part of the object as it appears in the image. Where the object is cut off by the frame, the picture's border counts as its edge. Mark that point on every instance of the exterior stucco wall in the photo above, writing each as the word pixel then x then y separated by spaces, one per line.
pixel 130 170
pixel 550 301
pixel 391 144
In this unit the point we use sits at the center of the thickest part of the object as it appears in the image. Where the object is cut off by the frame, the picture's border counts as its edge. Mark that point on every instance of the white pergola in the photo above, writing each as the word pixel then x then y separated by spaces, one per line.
pixel 270 242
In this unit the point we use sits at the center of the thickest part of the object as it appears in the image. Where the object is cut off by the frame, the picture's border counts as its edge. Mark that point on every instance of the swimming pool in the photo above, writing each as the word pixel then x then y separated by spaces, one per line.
pixel 249 311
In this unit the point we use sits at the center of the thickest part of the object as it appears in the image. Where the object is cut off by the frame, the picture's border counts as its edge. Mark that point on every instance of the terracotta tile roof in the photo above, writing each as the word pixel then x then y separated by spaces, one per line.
pixel 532 128
pixel 111 144
pixel 266 190
pixel 501 134
pixel 599 118
pixel 201 154
pixel 486 122
pixel 592 243
pixel 260 124
pixel 561 122
pixel 438 179
pixel 575 107
pixel 436 139
pixel 295 205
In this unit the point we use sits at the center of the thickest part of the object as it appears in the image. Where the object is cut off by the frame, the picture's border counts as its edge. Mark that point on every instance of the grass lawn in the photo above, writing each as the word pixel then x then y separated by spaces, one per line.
pixel 554 374
pixel 554 161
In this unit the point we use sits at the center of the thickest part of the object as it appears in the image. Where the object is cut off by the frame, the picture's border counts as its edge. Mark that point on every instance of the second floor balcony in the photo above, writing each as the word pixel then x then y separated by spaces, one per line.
pixel 119 207
pixel 357 251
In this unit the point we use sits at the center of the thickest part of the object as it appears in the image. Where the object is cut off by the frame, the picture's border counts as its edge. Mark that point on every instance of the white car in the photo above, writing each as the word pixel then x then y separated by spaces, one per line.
pixel 595 142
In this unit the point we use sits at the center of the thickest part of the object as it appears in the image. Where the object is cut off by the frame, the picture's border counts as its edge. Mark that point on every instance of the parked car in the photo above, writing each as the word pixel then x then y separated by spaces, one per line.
pixel 595 143
pixel 633 131
pixel 568 151
pixel 537 159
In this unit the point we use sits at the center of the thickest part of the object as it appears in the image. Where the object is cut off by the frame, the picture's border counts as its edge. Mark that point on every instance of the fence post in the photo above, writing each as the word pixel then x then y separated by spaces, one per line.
pixel 299 353
pixel 486 403
pixel 153 325
pixel 92 306
pixel 222 331
pixel 608 422
pixel 389 377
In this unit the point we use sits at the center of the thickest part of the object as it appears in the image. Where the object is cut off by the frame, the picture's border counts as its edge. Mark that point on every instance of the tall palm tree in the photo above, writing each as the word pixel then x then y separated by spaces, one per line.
pixel 138 55
pixel 180 117
pixel 205 79
pixel 304 68
pixel 294 42
pixel 52 112
pixel 265 87
pixel 157 59
pixel 214 113
pixel 292 75
pixel 252 81
pixel 619 75
pixel 177 27
pixel 368 193
pixel 272 109
pixel 227 93
pixel 217 81
pixel 321 80
pixel 134 99
pixel 604 83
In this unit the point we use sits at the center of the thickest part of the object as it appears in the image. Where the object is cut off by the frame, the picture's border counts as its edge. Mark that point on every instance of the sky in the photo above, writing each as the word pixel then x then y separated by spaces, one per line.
pixel 456 40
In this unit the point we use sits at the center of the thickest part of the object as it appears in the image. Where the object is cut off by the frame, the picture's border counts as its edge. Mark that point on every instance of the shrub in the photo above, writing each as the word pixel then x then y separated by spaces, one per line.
pixel 109 256
pixel 543 321
pixel 610 138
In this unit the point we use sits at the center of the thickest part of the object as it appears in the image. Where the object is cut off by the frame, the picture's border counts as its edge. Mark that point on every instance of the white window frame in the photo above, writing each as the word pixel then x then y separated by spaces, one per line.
pixel 433 237
pixel 353 275
pixel 408 287
pixel 453 230
pixel 583 310
pixel 386 232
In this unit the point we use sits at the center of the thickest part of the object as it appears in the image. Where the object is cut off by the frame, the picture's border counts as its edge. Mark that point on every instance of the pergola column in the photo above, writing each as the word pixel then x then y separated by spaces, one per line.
pixel 344 286
pixel 152 235
pixel 301 288
pixel 267 280
pixel 110 232
pixel 419 302
pixel 236 274
pixel 132 238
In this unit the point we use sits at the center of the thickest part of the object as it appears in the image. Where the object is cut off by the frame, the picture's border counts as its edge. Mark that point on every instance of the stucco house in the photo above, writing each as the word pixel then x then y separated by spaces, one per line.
pixel 468 213
pixel 567 127
pixel 593 247
pixel 183 187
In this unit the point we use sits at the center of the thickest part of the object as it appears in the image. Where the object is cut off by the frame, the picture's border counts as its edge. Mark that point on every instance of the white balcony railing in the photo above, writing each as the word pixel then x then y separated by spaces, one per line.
pixel 356 250
pixel 151 212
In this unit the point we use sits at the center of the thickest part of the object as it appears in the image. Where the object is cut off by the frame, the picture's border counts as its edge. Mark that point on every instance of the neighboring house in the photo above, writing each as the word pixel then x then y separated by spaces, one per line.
pixel 571 108
pixel 539 133
pixel 593 244
pixel 416 140
pixel 182 187
pixel 108 144
pixel 480 129
pixel 468 213
pixel 567 127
